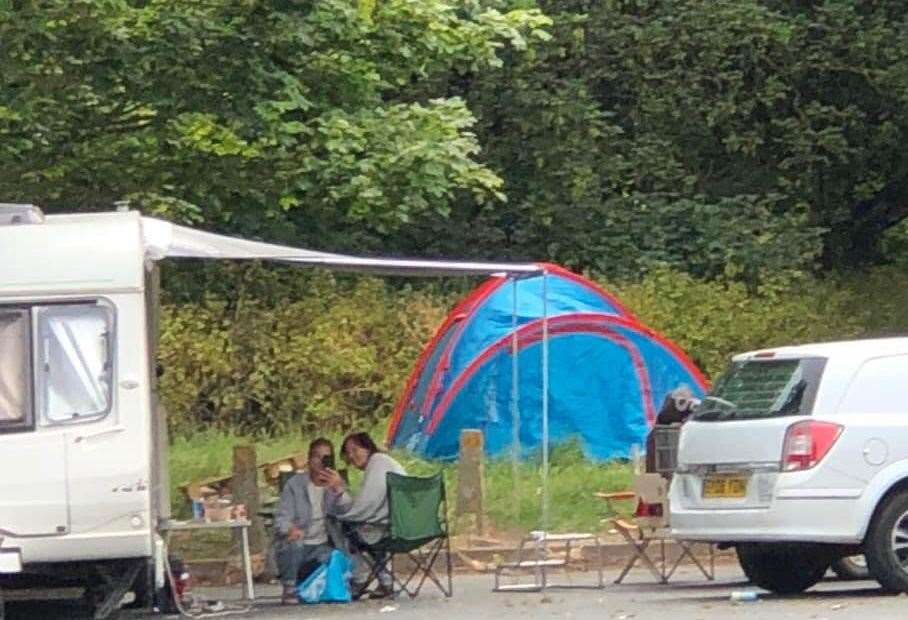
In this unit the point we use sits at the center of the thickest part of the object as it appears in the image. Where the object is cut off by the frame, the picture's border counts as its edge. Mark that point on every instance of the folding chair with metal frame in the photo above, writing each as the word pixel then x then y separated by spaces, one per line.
pixel 418 528
pixel 652 525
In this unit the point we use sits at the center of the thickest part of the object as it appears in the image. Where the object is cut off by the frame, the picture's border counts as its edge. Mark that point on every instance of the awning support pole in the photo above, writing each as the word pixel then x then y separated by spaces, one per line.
pixel 545 402
pixel 515 401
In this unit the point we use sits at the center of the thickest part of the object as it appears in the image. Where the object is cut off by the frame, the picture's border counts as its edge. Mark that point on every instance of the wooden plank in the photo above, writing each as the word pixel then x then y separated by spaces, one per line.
pixel 271 470
pixel 617 496
pixel 625 525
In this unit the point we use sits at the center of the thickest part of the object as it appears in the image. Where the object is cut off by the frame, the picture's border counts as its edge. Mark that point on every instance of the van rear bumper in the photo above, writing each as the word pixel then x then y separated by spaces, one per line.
pixel 821 520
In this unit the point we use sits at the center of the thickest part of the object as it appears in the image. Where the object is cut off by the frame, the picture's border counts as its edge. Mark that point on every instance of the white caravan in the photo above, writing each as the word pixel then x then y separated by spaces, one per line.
pixel 83 444
pixel 83 481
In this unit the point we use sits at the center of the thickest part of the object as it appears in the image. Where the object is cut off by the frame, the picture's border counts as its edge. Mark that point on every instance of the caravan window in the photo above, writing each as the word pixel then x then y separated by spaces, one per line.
pixel 15 366
pixel 74 370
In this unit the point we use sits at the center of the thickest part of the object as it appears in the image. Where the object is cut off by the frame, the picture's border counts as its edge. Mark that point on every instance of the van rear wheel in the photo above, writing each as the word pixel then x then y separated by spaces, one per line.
pixel 783 569
pixel 886 547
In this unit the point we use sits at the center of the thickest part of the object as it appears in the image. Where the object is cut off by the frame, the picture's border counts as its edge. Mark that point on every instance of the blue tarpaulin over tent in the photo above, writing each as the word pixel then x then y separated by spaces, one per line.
pixel 607 373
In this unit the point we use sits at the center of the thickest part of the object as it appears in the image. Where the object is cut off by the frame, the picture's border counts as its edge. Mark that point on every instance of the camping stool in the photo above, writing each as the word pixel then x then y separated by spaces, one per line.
pixel 651 525
pixel 418 511
pixel 535 554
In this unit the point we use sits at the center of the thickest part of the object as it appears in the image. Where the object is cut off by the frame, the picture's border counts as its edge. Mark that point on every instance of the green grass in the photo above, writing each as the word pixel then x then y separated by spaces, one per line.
pixel 210 453
pixel 517 504
pixel 513 499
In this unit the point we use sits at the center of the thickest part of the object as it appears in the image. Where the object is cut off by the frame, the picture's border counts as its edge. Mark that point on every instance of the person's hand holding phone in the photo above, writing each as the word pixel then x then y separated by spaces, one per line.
pixel 331 479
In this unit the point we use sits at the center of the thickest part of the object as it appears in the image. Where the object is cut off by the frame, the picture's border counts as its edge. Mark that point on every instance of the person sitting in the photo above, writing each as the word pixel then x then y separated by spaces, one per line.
pixel 677 407
pixel 303 534
pixel 366 514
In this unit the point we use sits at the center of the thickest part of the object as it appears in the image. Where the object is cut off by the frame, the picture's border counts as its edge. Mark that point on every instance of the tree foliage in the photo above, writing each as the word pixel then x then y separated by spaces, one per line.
pixel 272 117
pixel 748 134
pixel 333 357
pixel 732 137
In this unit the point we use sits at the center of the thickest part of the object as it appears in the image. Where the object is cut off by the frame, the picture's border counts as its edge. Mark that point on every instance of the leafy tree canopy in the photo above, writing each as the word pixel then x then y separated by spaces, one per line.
pixel 271 117
pixel 731 137
pixel 740 135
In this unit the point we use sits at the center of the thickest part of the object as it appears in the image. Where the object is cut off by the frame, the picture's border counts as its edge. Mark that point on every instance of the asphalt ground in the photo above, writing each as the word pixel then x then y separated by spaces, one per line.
pixel 688 597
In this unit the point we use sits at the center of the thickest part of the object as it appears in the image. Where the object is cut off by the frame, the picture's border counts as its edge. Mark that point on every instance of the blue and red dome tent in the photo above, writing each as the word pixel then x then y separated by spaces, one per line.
pixel 513 340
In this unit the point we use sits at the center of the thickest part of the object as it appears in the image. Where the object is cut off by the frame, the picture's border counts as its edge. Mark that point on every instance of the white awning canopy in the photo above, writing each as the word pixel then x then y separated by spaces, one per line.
pixel 166 240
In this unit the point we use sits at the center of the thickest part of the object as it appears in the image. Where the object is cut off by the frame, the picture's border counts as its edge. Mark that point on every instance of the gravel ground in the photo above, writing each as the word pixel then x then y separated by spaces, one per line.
pixel 688 597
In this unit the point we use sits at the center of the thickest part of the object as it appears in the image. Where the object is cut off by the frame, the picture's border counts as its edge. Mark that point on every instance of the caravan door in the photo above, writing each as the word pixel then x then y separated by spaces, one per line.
pixel 94 387
pixel 33 489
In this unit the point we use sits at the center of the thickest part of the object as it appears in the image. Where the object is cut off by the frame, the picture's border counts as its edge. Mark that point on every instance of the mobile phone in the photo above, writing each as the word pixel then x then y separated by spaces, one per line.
pixel 328 461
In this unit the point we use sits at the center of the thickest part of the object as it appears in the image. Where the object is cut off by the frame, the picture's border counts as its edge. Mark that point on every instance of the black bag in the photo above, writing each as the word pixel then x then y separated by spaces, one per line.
pixel 307 569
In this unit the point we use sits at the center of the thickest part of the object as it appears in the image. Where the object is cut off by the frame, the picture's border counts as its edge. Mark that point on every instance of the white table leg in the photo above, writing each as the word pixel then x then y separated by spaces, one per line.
pixel 247 565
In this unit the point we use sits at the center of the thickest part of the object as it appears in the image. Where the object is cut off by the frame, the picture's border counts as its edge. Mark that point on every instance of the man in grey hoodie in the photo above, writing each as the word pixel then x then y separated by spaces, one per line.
pixel 302 531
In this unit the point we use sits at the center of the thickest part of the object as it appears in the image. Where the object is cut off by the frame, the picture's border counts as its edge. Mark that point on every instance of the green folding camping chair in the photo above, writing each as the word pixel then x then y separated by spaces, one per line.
pixel 418 510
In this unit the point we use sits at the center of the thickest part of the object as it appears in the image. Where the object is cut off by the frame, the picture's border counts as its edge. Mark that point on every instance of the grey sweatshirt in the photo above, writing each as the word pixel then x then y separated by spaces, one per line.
pixel 371 503
pixel 296 509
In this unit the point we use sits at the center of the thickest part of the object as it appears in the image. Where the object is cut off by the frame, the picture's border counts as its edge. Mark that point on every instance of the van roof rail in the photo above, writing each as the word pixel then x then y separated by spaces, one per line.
pixel 11 214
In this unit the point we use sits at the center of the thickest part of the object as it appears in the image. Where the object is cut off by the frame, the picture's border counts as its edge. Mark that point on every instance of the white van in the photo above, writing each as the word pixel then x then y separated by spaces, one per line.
pixel 83 479
pixel 798 457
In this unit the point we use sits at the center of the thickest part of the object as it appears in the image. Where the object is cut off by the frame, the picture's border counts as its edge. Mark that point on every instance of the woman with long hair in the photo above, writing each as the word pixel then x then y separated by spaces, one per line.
pixel 366 513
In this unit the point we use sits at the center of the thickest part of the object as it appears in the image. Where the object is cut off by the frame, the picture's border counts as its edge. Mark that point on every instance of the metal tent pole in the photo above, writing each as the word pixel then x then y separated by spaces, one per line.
pixel 545 402
pixel 515 404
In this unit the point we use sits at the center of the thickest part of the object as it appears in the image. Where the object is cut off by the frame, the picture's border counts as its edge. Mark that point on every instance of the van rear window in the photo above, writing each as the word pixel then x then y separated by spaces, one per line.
pixel 762 389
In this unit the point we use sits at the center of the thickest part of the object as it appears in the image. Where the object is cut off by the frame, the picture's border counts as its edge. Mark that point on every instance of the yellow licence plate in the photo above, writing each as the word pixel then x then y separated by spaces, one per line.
pixel 724 486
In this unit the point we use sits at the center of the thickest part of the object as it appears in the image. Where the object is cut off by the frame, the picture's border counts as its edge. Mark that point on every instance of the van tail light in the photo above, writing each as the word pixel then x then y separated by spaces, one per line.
pixel 807 442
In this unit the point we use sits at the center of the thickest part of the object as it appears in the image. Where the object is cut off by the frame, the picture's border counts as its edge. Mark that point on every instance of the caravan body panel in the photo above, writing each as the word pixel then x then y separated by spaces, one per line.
pixel 77 486
pixel 84 253
pixel 33 486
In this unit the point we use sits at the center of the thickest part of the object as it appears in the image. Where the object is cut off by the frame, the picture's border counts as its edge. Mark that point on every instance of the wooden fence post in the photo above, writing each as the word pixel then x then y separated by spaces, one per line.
pixel 470 477
pixel 246 491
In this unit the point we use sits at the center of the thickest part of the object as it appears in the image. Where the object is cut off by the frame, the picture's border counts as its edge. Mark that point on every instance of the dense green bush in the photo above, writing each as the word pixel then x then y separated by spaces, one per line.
pixel 335 354
pixel 334 358
pixel 714 320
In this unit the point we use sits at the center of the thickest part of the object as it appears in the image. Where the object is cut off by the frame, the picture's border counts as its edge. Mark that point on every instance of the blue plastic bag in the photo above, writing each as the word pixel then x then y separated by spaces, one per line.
pixel 329 583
